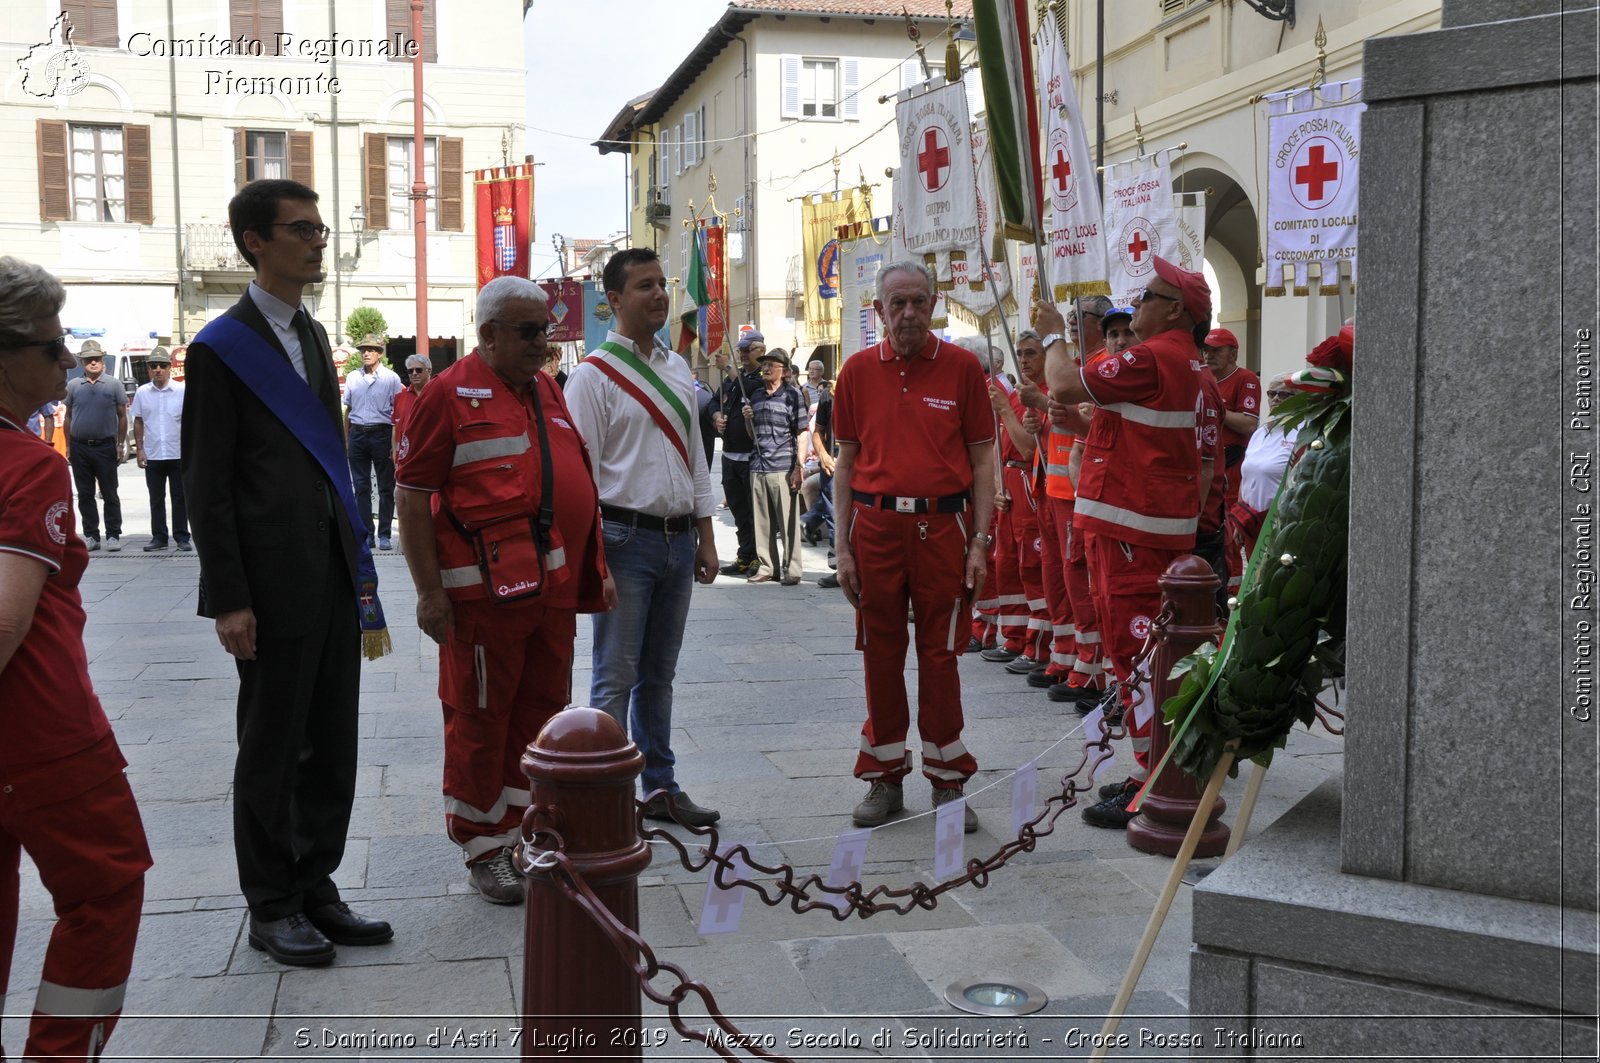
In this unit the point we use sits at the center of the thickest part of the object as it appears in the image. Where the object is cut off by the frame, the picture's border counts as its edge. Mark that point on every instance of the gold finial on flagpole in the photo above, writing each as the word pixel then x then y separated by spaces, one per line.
pixel 1138 133
pixel 915 36
pixel 1321 76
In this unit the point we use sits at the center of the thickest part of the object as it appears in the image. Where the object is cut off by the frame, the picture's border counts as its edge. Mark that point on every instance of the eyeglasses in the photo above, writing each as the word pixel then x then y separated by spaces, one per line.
pixel 1147 294
pixel 53 348
pixel 414 370
pixel 1279 394
pixel 528 330
pixel 305 230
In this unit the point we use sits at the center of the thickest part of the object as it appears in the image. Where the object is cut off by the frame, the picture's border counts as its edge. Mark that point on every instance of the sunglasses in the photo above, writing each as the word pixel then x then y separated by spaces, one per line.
pixel 1148 294
pixel 528 330
pixel 304 230
pixel 53 348
pixel 414 370
pixel 1279 394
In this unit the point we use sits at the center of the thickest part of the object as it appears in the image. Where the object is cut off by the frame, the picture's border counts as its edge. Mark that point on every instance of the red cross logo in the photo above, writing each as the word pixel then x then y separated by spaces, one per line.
pixel 933 161
pixel 1316 168
pixel 1138 245
pixel 1061 170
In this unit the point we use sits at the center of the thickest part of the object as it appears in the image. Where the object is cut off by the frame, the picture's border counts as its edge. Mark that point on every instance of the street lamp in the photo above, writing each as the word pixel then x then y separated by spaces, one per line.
pixel 358 219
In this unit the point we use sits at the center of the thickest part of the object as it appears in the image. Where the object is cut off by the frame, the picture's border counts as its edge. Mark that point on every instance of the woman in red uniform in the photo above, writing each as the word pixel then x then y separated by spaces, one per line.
pixel 63 796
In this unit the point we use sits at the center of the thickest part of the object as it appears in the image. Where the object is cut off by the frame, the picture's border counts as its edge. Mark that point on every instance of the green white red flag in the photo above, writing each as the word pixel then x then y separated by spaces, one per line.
pixel 1012 105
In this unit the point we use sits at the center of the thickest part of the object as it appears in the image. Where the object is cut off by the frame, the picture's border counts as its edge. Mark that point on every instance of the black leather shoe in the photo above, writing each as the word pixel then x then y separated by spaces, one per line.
pixel 343 927
pixel 830 579
pixel 689 813
pixel 1072 695
pixel 1042 679
pixel 291 940
pixel 153 545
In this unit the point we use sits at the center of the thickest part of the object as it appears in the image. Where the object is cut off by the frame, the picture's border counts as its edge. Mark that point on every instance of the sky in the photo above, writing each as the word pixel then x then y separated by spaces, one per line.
pixel 585 60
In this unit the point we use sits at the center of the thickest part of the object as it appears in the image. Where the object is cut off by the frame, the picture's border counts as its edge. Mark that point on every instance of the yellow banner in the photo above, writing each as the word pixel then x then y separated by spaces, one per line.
pixel 820 218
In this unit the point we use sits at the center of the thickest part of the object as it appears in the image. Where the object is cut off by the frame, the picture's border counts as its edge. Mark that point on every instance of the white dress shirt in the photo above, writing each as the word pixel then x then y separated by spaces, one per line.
pixel 635 465
pixel 280 315
pixel 161 410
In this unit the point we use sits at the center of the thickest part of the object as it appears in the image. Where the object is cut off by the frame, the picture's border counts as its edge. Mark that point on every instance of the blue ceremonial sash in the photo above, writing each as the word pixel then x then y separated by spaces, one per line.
pixel 270 377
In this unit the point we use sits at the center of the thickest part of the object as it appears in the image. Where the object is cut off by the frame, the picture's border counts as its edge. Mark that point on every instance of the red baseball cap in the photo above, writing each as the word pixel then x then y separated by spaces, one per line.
pixel 1221 337
pixel 1192 287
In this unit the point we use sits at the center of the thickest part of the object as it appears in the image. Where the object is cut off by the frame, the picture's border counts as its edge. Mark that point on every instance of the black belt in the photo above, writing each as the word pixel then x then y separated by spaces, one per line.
pixel 95 442
pixel 1018 465
pixel 372 428
pixel 635 519
pixel 900 504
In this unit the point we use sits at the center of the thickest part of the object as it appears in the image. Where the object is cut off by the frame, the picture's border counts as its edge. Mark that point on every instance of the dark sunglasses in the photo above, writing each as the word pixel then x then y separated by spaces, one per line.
pixel 415 370
pixel 305 230
pixel 53 348
pixel 528 330
pixel 1148 294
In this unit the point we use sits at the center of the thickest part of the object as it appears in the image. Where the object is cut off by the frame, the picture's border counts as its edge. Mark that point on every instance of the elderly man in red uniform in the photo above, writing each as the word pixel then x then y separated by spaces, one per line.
pixel 500 517
pixel 916 443
pixel 1241 401
pixel 1141 483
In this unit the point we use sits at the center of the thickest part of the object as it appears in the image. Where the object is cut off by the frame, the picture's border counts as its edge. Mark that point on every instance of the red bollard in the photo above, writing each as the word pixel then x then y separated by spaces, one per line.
pixel 1189 590
pixel 579 997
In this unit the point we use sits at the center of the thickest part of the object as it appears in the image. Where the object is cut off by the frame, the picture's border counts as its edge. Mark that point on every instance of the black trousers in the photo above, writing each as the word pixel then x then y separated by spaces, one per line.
pixel 370 458
pixel 295 778
pixel 96 466
pixel 1212 548
pixel 158 477
pixel 736 487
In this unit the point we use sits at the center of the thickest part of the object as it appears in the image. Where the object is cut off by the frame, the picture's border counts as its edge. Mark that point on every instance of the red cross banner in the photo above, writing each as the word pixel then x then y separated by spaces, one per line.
pixel 1313 165
pixel 1139 223
pixel 1072 202
pixel 935 189
pixel 505 221
pixel 978 300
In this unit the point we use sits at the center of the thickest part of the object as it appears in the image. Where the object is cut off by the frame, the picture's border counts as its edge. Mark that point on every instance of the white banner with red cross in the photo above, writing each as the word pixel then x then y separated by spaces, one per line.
pixel 1140 223
pixel 1313 168
pixel 1072 202
pixel 935 186
pixel 979 301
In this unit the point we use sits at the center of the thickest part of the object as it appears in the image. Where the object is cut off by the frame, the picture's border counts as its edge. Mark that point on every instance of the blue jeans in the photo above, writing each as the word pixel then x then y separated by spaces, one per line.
pixel 369 453
pixel 636 644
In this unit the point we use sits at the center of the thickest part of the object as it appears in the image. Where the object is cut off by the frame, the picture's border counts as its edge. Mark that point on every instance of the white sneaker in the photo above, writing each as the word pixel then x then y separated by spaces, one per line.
pixel 113 543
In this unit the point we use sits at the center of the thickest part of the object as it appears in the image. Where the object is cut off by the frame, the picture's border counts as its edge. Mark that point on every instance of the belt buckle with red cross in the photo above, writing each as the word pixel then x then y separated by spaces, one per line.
pixel 905 505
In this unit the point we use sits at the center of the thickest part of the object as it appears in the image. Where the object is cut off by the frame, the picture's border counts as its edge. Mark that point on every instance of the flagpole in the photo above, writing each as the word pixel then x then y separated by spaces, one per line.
pixel 419 183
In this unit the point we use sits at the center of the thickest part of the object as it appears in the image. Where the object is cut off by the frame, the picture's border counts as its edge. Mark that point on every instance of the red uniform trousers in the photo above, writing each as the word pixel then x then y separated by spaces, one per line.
pixel 77 819
pixel 1024 614
pixel 920 558
pixel 986 610
pixel 498 691
pixel 1083 617
pixel 1053 570
pixel 1128 599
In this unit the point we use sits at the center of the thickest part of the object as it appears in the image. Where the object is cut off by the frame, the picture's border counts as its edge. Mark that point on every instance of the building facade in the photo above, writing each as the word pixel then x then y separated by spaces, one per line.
pixel 142 126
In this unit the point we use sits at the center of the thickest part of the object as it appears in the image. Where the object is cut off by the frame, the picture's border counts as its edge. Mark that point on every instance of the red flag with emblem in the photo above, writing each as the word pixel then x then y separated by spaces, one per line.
pixel 505 221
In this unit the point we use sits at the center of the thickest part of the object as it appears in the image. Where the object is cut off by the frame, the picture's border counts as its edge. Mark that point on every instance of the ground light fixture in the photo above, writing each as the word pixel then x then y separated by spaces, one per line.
pixel 989 996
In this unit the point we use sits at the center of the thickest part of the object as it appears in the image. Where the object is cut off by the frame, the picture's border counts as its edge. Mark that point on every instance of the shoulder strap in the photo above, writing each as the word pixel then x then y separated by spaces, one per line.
pixel 677 439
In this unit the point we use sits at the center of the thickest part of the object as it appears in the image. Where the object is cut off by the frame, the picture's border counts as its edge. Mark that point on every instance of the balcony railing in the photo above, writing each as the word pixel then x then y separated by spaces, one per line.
pixel 658 210
pixel 209 247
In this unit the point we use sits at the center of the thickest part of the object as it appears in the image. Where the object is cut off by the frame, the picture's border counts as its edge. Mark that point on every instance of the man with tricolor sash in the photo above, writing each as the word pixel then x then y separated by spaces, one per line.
pixel 286 571
pixel 1142 480
pixel 498 511
pixel 634 404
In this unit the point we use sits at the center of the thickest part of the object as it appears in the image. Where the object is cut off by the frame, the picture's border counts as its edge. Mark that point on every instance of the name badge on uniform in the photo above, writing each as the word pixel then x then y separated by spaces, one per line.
pixel 475 393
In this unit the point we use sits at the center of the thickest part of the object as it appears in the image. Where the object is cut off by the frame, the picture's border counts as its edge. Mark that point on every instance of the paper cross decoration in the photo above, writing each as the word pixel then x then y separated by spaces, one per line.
pixel 1024 791
pixel 950 838
pixel 849 856
pixel 724 907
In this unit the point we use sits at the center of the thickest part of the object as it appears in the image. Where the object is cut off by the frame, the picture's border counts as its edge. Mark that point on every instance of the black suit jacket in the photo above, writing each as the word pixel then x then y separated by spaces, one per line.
pixel 266 523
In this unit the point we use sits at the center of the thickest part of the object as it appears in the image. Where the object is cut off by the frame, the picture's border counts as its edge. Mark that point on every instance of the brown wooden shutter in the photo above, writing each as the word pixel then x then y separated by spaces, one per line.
pixel 55 173
pixel 103 16
pixel 398 16
pixel 138 188
pixel 241 171
pixel 300 166
pixel 451 177
pixel 377 168
pixel 260 20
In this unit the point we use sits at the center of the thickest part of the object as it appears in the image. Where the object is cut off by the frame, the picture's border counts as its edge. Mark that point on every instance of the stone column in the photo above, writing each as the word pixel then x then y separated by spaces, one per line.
pixel 1456 873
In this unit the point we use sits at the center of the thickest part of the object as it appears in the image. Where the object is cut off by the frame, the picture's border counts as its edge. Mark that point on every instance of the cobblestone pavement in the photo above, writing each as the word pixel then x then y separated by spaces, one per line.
pixel 766 723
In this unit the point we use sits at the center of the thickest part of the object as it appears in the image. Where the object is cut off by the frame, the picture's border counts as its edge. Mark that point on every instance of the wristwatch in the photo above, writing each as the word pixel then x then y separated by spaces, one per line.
pixel 983 537
pixel 1052 338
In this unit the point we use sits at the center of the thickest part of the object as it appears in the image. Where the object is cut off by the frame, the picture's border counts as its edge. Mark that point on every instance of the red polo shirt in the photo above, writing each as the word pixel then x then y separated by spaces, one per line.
pixel 913 418
pixel 1241 393
pixel 402 405
pixel 48 707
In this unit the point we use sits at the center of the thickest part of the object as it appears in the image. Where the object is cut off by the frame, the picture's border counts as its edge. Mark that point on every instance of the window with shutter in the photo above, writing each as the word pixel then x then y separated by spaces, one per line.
pixel 97 172
pixel 94 22
pixel 791 86
pixel 850 105
pixel 691 138
pixel 399 21
pixel 911 76
pixel 705 131
pixel 265 154
pixel 401 175
pixel 257 20
pixel 139 183
pixel 819 88
pixel 299 156
pixel 450 177
pixel 376 167
pixel 677 149
pixel 55 175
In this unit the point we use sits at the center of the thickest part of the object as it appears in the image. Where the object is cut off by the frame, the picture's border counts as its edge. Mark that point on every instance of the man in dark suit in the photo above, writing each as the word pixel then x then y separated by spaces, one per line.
pixel 278 573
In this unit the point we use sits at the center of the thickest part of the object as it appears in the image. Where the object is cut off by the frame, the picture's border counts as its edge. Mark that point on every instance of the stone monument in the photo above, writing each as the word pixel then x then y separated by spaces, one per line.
pixel 1444 902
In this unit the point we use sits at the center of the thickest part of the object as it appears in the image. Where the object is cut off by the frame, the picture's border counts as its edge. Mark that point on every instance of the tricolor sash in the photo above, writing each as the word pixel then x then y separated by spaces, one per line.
pixel 273 380
pixel 635 377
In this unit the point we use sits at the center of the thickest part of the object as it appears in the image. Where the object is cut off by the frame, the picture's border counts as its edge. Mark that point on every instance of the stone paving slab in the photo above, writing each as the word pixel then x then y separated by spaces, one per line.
pixel 767 717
